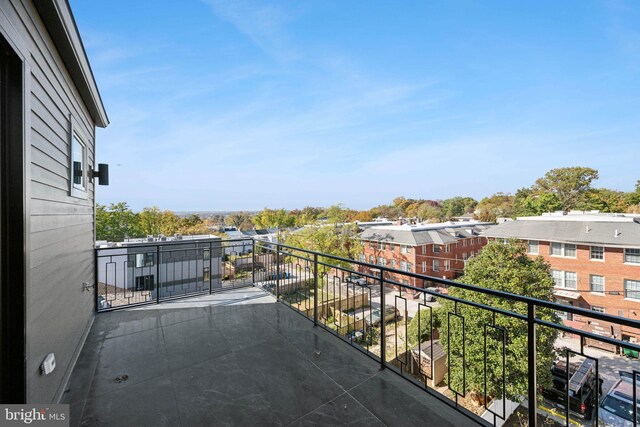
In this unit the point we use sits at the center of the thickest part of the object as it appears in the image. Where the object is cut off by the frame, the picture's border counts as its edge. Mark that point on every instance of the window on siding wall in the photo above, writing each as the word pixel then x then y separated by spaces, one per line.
pixel 596 252
pixel 632 256
pixel 78 166
pixel 632 289
pixel 144 260
pixel 596 283
pixel 534 247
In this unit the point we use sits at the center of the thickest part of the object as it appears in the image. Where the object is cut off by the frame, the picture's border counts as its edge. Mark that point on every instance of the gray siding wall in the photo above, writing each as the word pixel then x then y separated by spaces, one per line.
pixel 61 227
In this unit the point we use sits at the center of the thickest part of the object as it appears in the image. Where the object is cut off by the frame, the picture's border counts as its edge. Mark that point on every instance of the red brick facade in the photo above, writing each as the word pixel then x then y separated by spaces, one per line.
pixel 614 271
pixel 447 261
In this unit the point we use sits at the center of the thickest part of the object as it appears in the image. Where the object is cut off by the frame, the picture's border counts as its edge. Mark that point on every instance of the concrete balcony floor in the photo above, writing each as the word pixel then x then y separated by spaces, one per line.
pixel 235 358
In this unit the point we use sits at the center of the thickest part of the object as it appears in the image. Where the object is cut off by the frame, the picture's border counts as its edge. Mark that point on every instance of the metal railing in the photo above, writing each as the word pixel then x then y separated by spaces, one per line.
pixel 369 307
pixel 373 308
pixel 153 272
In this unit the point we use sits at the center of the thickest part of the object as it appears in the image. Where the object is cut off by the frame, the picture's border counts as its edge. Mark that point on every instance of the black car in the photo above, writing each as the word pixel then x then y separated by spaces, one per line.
pixel 581 390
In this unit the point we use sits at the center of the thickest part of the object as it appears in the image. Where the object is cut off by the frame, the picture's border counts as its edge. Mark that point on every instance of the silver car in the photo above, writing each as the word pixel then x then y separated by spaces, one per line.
pixel 616 408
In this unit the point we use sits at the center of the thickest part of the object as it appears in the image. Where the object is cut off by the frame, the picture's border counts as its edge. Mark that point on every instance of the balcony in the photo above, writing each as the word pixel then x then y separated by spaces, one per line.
pixel 277 335
pixel 237 358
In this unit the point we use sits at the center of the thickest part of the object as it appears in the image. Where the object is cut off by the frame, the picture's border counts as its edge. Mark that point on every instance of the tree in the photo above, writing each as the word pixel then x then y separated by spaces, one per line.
pixel 604 200
pixel 240 220
pixel 504 267
pixel 498 205
pixel 457 206
pixel 420 327
pixel 340 241
pixel 274 218
pixel 152 221
pixel 528 202
pixel 116 222
pixel 570 185
pixel 633 198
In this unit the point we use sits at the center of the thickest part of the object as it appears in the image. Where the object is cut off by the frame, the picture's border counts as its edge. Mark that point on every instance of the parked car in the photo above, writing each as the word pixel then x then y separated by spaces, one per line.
pixel 581 388
pixel 281 275
pixel 390 314
pixel 616 408
pixel 356 280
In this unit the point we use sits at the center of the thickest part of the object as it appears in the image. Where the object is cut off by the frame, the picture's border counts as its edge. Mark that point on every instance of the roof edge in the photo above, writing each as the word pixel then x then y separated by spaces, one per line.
pixel 59 21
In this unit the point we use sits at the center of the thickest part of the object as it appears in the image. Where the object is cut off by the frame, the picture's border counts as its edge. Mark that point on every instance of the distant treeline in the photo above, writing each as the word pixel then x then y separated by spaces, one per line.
pixel 559 189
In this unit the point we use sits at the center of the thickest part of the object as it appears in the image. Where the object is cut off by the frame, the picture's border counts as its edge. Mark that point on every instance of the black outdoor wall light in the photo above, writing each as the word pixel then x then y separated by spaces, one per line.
pixel 102 174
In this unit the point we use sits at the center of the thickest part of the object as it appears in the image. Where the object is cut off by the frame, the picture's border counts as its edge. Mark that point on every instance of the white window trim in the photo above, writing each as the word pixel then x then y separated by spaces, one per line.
pixel 604 251
pixel 624 257
pixel 624 290
pixel 537 252
pixel 74 133
pixel 562 248
pixel 564 280
pixel 604 285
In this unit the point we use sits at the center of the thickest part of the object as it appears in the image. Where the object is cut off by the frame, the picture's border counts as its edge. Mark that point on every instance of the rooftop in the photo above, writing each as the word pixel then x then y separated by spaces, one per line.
pixel 236 357
pixel 597 228
pixel 439 233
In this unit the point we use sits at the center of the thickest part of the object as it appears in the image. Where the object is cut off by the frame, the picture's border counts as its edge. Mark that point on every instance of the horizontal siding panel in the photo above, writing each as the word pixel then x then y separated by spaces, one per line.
pixel 45 207
pixel 45 192
pixel 59 125
pixel 56 278
pixel 43 137
pixel 56 243
pixel 46 56
pixel 42 159
pixel 53 222
pixel 45 176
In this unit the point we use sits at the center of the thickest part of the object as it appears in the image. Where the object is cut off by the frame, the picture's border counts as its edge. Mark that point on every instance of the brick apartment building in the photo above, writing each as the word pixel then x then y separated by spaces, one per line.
pixel 438 250
pixel 595 262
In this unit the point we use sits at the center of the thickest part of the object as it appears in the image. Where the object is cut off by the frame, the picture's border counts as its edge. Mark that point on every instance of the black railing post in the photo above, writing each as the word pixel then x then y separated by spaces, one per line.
pixel 532 359
pixel 383 323
pixel 315 289
pixel 210 268
pixel 95 278
pixel 277 271
pixel 158 271
pixel 253 262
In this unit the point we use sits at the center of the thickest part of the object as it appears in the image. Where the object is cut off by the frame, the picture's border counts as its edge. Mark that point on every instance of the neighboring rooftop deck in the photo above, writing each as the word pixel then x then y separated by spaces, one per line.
pixel 235 358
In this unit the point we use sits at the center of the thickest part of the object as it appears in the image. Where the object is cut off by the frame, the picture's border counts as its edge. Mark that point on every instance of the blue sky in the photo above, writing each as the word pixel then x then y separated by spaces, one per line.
pixel 225 105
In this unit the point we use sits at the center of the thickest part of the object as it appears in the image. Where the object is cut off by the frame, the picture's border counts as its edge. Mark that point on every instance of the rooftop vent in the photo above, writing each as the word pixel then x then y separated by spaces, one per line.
pixel 616 233
pixel 150 238
pixel 588 229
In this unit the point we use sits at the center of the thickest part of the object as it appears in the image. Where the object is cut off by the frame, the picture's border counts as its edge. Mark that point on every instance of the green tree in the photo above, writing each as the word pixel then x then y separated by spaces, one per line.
pixel 498 205
pixel 504 267
pixel 633 198
pixel 604 200
pixel 274 218
pixel 528 202
pixel 153 221
pixel 116 222
pixel 240 220
pixel 421 326
pixel 339 241
pixel 457 206
pixel 570 185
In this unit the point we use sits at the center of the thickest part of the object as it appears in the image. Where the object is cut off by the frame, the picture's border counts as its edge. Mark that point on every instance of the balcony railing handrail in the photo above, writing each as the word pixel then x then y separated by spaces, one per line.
pixel 496 293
